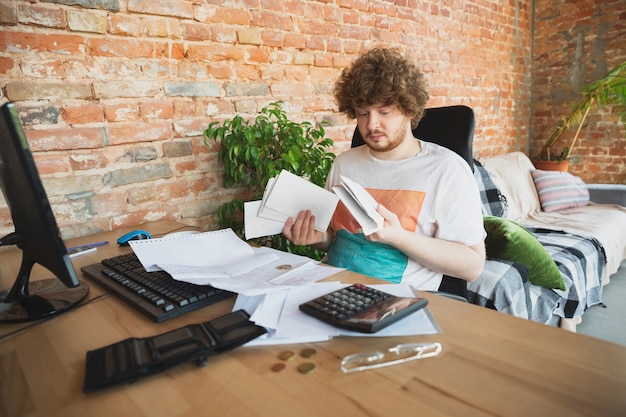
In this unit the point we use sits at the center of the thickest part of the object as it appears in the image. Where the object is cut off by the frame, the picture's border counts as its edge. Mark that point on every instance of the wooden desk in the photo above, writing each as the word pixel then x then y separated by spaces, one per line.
pixel 491 365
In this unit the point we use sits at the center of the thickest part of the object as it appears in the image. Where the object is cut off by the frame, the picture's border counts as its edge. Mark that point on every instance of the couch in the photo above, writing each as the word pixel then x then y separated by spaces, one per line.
pixel 586 239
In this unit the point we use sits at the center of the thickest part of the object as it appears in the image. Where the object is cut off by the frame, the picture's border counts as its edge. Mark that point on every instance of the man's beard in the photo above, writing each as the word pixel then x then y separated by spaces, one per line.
pixel 392 143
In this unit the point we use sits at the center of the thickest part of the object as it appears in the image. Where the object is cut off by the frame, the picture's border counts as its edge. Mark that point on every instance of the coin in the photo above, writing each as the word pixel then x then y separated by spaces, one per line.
pixel 306 368
pixel 308 353
pixel 286 355
pixel 277 367
pixel 283 267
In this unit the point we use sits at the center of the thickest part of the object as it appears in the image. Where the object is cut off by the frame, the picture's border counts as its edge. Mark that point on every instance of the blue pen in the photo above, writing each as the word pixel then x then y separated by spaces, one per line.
pixel 88 246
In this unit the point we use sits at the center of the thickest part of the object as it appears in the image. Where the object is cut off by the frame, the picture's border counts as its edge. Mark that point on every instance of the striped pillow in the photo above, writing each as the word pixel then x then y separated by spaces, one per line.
pixel 559 190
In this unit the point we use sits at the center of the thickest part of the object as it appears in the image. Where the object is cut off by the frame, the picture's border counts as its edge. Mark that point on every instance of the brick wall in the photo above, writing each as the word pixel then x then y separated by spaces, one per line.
pixel 115 94
pixel 576 43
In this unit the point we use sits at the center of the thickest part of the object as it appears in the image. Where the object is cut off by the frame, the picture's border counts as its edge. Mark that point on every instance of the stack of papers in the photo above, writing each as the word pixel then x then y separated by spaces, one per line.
pixel 223 260
pixel 278 312
pixel 285 196
pixel 361 205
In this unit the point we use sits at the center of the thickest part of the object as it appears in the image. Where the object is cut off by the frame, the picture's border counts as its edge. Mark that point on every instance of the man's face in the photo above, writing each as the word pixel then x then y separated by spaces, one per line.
pixel 383 128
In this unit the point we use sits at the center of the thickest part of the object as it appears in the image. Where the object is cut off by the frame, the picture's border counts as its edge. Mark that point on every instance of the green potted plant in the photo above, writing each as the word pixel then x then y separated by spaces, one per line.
pixel 609 90
pixel 253 152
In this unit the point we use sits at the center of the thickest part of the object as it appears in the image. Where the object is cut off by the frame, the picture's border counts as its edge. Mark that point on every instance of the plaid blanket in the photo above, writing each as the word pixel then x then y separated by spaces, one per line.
pixel 505 286
pixel 581 261
pixel 493 202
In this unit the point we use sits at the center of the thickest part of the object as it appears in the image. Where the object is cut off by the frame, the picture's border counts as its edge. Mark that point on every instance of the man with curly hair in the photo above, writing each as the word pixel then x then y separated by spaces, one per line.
pixel 426 193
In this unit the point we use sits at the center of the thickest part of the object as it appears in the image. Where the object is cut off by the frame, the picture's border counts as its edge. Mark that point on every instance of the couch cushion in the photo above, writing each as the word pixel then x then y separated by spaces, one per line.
pixel 559 190
pixel 493 201
pixel 509 241
pixel 511 174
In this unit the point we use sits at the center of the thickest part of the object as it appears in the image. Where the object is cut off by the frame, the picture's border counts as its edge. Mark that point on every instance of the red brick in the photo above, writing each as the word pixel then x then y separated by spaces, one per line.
pixel 174 8
pixel 6 64
pixel 214 53
pixel 257 55
pixel 65 138
pixel 119 24
pixel 195 31
pixel 295 40
pixel 51 164
pixel 41 16
pixel 163 28
pixel 66 44
pixel 138 132
pixel 225 16
pixel 23 42
pixel 109 47
pixel 121 112
pixel 80 161
pixel 88 113
pixel 175 191
pixel 272 20
pixel 156 110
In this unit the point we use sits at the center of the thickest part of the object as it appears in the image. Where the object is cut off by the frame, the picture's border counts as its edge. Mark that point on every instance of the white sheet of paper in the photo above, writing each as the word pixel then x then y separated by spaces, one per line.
pixel 291 194
pixel 361 205
pixel 200 274
pixel 202 249
pixel 256 226
pixel 282 271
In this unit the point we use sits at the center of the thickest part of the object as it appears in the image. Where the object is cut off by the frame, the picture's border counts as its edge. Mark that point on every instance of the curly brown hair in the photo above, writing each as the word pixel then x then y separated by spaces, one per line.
pixel 382 76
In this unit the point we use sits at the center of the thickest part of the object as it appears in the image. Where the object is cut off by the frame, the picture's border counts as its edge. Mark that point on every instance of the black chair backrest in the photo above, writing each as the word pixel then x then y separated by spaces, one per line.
pixel 450 126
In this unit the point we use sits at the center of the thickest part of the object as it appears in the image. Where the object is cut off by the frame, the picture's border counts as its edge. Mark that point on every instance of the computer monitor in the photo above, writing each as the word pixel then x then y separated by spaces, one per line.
pixel 36 233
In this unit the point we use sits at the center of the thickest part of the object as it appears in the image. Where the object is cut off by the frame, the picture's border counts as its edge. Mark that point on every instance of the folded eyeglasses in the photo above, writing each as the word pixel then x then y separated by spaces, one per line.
pixel 402 353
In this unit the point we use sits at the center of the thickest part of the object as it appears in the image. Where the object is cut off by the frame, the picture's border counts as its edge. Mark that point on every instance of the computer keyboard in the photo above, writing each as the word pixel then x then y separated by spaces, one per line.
pixel 155 294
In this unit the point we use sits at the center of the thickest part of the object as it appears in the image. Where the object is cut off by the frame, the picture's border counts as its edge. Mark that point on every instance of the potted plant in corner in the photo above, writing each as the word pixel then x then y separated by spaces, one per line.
pixel 254 152
pixel 610 90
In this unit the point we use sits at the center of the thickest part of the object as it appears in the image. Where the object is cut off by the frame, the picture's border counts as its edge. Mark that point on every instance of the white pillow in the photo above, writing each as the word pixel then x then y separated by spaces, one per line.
pixel 559 190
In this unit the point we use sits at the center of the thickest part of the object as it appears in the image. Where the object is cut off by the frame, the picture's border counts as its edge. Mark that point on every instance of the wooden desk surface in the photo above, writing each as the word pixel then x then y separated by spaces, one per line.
pixel 491 365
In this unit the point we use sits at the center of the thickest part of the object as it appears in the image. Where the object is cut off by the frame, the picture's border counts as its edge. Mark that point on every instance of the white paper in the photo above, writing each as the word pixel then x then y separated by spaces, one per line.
pixel 361 205
pixel 256 226
pixel 294 326
pixel 210 249
pixel 285 196
pixel 282 271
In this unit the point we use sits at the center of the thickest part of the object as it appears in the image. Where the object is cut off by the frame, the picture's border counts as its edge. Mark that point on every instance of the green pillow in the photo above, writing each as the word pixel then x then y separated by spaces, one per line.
pixel 509 241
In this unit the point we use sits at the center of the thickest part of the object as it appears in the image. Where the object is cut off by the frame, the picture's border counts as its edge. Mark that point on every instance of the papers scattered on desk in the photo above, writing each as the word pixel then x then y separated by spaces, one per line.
pixel 278 312
pixel 361 205
pixel 223 260
pixel 285 196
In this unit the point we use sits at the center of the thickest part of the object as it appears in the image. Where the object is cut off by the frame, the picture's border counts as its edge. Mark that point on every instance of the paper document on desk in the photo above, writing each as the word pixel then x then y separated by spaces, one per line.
pixel 285 196
pixel 279 314
pixel 223 260
pixel 221 253
pixel 361 205
pixel 286 271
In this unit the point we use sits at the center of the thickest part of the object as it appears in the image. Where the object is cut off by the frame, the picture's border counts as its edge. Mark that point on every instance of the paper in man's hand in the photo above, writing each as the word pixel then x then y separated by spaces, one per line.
pixel 361 205
pixel 285 196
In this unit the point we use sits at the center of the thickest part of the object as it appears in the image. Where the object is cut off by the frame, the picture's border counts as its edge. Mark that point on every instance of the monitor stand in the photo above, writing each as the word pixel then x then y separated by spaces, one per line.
pixel 39 299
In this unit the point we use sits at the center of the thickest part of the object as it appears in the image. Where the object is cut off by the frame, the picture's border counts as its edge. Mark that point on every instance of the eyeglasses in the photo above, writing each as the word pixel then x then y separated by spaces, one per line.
pixel 398 354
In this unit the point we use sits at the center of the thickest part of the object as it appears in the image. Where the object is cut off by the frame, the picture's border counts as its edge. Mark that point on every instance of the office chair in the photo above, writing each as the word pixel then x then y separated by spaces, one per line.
pixel 452 127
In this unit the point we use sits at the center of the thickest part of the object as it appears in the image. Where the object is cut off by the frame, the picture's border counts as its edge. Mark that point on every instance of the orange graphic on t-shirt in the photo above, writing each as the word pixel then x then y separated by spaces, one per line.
pixel 406 204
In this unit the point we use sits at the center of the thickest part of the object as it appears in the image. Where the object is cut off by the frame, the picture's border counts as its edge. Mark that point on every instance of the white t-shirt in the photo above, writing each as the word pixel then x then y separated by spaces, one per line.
pixel 433 193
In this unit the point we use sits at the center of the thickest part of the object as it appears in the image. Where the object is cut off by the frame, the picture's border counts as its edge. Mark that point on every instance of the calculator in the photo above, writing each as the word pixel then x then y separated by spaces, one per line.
pixel 361 308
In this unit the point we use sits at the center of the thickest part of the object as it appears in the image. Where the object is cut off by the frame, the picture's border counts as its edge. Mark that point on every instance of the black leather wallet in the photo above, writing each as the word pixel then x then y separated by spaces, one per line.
pixel 134 358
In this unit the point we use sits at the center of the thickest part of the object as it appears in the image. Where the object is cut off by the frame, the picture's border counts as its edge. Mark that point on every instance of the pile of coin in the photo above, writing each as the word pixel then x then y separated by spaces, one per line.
pixel 303 368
